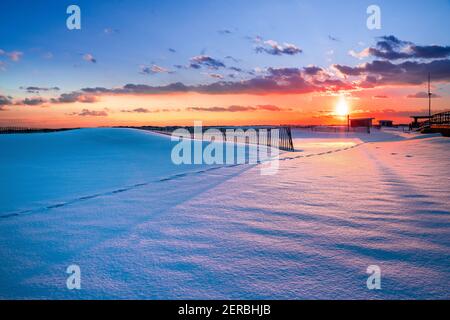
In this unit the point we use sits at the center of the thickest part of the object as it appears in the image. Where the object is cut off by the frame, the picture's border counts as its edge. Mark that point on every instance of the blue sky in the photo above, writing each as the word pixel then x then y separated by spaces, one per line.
pixel 146 29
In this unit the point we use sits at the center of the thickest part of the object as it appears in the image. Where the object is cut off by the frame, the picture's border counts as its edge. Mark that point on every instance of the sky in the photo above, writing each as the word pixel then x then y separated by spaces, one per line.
pixel 222 62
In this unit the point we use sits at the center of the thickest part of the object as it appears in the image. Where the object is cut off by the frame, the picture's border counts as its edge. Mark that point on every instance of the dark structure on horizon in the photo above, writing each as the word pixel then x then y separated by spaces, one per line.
pixel 360 123
pixel 437 123
pixel 386 123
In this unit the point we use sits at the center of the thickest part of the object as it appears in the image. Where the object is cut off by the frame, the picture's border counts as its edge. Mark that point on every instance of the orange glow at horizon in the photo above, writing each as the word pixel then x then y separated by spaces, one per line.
pixel 184 108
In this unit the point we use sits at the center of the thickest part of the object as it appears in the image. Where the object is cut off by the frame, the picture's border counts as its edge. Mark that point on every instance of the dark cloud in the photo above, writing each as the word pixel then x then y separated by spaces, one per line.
pixel 392 48
pixel 274 48
pixel 284 72
pixel 312 70
pixel 225 31
pixel 153 69
pixel 74 97
pixel 215 75
pixel 380 97
pixel 111 31
pixel 270 107
pixel 33 89
pixel 233 59
pixel 12 55
pixel 235 69
pixel 89 57
pixel 5 101
pixel 237 108
pixel 333 85
pixel 288 80
pixel 137 110
pixel 32 101
pixel 422 95
pixel 145 110
pixel 408 72
pixel 223 109
pixel 90 113
pixel 333 38
pixel 276 80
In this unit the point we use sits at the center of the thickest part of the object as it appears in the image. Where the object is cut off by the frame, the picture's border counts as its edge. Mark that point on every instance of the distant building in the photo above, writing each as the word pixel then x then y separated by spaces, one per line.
pixel 416 122
pixel 361 122
pixel 386 123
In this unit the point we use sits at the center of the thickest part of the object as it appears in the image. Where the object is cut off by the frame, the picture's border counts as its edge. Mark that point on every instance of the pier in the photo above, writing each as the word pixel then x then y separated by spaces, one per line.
pixel 437 123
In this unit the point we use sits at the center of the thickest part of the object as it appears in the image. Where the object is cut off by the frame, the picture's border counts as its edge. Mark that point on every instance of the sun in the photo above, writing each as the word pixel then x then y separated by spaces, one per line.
pixel 342 108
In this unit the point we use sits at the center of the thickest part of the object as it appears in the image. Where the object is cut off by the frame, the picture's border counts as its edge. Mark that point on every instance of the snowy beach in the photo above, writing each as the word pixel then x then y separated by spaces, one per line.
pixel 112 202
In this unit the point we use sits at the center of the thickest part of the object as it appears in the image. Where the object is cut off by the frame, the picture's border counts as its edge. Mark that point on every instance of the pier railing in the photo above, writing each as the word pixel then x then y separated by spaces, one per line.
pixel 438 119
pixel 438 123
pixel 442 118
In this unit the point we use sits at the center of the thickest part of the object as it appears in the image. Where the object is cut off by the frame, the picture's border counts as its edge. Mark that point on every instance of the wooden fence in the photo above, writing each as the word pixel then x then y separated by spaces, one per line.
pixel 263 135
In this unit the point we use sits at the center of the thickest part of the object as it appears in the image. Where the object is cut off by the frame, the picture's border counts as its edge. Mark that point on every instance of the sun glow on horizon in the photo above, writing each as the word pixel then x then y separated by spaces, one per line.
pixel 342 108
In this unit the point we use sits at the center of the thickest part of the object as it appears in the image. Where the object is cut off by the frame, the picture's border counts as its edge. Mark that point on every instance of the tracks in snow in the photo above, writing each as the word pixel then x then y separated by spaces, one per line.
pixel 169 178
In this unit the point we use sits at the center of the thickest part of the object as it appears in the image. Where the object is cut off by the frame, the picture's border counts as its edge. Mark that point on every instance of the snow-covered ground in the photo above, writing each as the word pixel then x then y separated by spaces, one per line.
pixel 111 201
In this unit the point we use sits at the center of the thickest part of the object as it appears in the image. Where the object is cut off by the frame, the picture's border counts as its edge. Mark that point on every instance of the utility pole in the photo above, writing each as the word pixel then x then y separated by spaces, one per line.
pixel 429 95
pixel 348 122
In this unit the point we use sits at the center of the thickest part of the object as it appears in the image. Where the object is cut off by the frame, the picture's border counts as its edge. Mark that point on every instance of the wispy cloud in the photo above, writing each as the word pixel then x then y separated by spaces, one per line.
pixel 48 55
pixel 12 55
pixel 153 69
pixel 90 113
pixel 330 37
pixel 409 72
pixel 215 75
pixel 235 60
pixel 32 101
pixel 34 89
pixel 89 57
pixel 422 95
pixel 392 48
pixel 137 110
pixel 145 110
pixel 110 31
pixel 5 101
pixel 274 48
pixel 75 97
pixel 238 108
pixel 312 70
pixel 225 31
pixel 205 61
